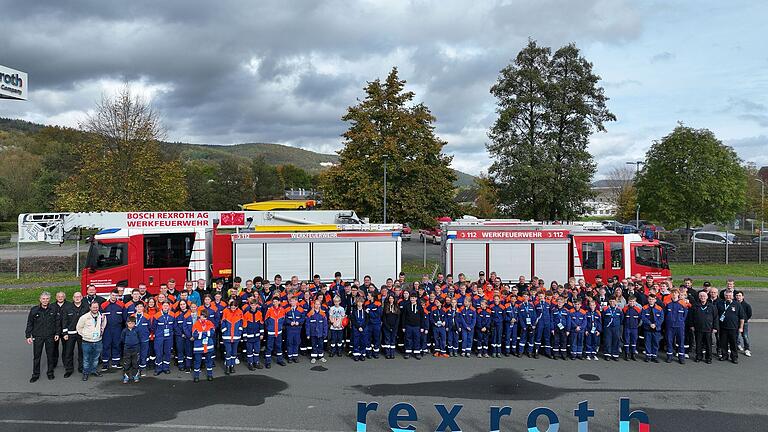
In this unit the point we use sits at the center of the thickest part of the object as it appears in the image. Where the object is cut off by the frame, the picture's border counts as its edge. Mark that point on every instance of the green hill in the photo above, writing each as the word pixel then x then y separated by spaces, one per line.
pixel 274 154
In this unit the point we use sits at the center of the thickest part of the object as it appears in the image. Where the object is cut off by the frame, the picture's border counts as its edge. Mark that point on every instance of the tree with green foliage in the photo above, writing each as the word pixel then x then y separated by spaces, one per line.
pixel 120 165
pixel 266 180
pixel 548 106
pixel 200 176
pixel 387 126
pixel 690 177
pixel 294 177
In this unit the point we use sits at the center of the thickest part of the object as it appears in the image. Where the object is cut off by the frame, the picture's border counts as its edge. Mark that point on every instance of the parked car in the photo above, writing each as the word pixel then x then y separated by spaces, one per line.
pixel 431 234
pixel 763 240
pixel 713 237
pixel 406 232
pixel 642 224
pixel 671 247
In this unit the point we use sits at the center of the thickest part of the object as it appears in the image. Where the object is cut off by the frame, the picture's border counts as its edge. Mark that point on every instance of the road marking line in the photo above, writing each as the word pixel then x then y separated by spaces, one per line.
pixel 156 426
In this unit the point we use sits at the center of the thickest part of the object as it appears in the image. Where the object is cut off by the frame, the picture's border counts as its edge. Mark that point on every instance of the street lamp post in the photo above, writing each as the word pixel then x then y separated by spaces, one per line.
pixel 637 173
pixel 762 222
pixel 386 156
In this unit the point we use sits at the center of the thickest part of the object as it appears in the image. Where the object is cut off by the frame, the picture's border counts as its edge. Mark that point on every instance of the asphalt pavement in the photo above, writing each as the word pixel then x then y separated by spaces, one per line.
pixel 324 397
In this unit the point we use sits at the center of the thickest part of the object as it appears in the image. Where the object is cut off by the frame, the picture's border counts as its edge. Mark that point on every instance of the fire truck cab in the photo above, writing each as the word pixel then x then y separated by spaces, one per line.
pixel 553 252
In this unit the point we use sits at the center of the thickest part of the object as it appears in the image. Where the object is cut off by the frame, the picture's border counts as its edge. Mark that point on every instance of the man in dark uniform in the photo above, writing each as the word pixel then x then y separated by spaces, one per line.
pixel 703 322
pixel 71 313
pixel 731 317
pixel 91 297
pixel 58 306
pixel 43 329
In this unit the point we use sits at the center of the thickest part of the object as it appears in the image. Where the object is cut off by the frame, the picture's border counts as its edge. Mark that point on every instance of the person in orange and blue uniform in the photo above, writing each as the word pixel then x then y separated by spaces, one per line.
pixel 294 322
pixel 653 318
pixel 561 326
pixel 113 310
pixel 203 345
pixel 317 330
pixel 253 332
pixel 483 328
pixel 612 318
pixel 510 325
pixel 374 309
pixel 231 332
pixel 359 325
pixel 437 320
pixel 593 329
pixel 180 317
pixel 468 321
pixel 526 317
pixel 497 325
pixel 273 325
pixel 543 326
pixel 578 326
pixel 632 322
pixel 162 327
pixel 453 325
pixel 675 315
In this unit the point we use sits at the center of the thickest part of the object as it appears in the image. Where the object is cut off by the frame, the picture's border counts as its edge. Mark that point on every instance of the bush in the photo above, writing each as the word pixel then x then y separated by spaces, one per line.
pixel 5 238
pixel 9 226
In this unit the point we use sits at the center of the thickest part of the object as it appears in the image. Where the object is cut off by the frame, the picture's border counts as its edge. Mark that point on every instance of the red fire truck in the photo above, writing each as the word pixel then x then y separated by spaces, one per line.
pixel 553 252
pixel 152 247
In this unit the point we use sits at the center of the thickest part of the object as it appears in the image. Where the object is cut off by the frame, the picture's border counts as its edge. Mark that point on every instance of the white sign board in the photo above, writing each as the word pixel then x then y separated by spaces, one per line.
pixel 13 84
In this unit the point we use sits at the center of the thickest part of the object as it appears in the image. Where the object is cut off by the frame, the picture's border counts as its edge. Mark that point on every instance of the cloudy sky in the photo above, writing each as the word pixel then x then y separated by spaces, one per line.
pixel 228 72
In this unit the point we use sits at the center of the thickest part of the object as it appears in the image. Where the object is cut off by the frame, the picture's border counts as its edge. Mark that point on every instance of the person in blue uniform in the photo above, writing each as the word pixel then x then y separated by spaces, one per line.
pixel 578 326
pixel 453 325
pixel 675 316
pixel 632 322
pixel 359 324
pixel 612 317
pixel 468 321
pixel 294 321
pixel 437 320
pixel 593 328
pixel 543 327
pixel 561 326
pixel 652 316
pixel 526 317
pixel 483 328
pixel 497 326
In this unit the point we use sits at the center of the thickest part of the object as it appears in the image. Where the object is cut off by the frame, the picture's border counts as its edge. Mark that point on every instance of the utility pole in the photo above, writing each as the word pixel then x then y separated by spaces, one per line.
pixel 386 156
pixel 637 174
pixel 762 222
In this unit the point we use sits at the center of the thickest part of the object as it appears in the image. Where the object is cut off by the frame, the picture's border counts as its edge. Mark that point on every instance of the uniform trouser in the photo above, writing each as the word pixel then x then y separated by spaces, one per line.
pixel 452 340
pixel 542 337
pixel 336 340
pixel 374 342
pixel 305 346
pixel 482 341
pixel 690 338
pixel 68 357
pixel 131 363
pixel 630 340
pixel 181 351
pixel 38 344
pixel 652 339
pixel 728 339
pixel 612 341
pixel 91 356
pixel 111 346
pixel 163 352
pixel 412 340
pixel 359 341
pixel 510 337
pixel 439 335
pixel 466 341
pixel 143 353
pixel 274 345
pixel 152 357
pixel 744 337
pixel 56 347
pixel 390 340
pixel 252 348
pixel 293 342
pixel 676 335
pixel 317 346
pixel 497 335
pixel 199 357
pixel 577 343
pixel 703 343
pixel 230 351
pixel 526 338
pixel 560 345
pixel 424 341
pixel 591 342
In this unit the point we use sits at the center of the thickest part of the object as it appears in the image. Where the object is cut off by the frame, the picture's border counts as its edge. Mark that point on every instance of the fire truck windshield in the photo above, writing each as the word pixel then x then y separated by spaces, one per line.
pixel 651 256
pixel 107 255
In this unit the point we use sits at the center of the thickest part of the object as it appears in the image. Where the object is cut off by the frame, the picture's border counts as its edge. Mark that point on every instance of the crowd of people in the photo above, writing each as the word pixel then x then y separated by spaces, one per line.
pixel 261 321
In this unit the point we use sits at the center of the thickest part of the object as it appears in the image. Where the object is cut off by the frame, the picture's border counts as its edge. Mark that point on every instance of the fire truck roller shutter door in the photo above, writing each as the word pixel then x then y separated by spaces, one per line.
pixel 510 260
pixel 328 258
pixel 249 260
pixel 469 258
pixel 378 259
pixel 289 258
pixel 551 261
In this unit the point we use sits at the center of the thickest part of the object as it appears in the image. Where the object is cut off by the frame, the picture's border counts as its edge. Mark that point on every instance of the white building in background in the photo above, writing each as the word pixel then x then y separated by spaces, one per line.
pixel 603 205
